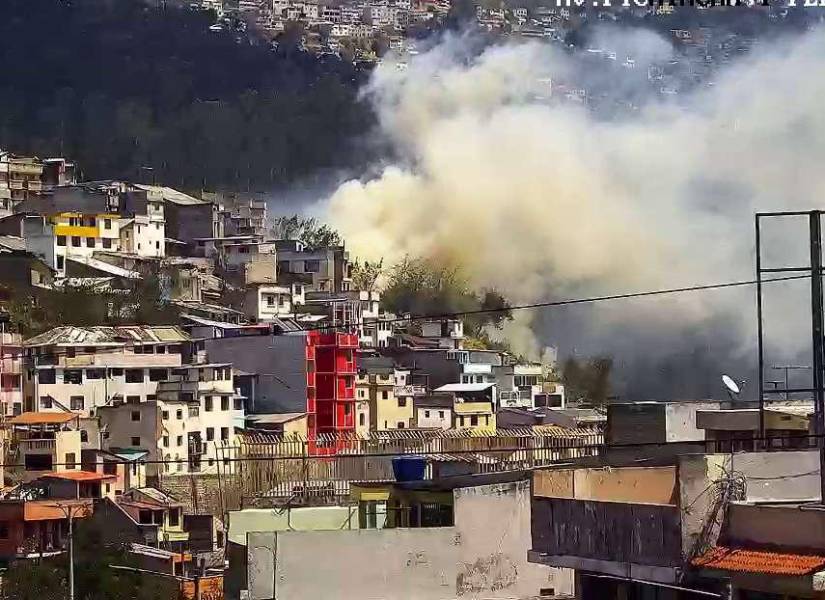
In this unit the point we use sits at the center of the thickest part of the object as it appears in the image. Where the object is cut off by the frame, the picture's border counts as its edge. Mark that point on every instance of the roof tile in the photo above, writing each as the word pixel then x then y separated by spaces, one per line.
pixel 759 561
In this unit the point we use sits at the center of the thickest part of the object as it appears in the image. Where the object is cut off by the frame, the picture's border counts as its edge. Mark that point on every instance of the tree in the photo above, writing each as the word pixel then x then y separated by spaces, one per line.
pixel 309 230
pixel 419 286
pixel 587 381
pixel 365 276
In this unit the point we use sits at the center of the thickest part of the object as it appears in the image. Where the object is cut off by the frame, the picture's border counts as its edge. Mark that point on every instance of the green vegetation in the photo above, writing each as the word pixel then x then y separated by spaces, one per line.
pixel 419 286
pixel 128 85
pixel 587 380
pixel 94 580
pixel 309 230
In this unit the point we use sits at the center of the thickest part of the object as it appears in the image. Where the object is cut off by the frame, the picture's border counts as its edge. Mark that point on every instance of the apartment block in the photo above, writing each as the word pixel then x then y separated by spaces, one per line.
pixel 83 368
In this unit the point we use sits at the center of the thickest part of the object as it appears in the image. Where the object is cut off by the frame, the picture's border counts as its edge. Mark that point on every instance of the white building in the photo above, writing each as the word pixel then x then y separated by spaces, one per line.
pixel 518 384
pixel 434 411
pixel 264 302
pixel 449 333
pixel 80 369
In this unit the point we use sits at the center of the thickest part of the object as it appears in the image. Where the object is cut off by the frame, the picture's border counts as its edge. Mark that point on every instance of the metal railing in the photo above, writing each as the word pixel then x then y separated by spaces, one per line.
pixel 270 469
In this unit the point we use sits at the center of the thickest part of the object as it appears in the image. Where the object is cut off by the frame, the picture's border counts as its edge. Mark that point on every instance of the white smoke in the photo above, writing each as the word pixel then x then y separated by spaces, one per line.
pixel 545 200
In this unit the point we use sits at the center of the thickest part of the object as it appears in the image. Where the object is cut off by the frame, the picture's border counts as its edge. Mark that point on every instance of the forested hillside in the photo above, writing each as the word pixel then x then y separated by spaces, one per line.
pixel 119 85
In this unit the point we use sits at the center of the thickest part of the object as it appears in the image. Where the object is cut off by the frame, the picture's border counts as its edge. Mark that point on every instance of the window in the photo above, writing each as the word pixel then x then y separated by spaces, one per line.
pixel 347 409
pixel 400 424
pixel 70 460
pixel 110 467
pixel 441 414
pixel 207 403
pixel 179 440
pixel 312 266
pixel 47 376
pixel 385 394
pixel 238 402
pixel 136 441
pixel 157 374
pixel 116 372
pixel 166 441
pixel 461 421
pixel 134 375
pixel 60 262
pixel 224 402
pixel 179 414
pixel 362 419
pixel 84 436
pixel 39 462
pixel 194 411
pixel 107 243
pixel 210 434
pixel 92 222
pixel 132 399
pixel 107 223
pixel 61 240
pixel 73 376
pixel 224 433
pixel 135 415
pixel 76 241
pixel 402 402
pixel 76 402
pixel 174 517
pixel 270 300
pixel 427 414
pixel 95 373
pixel 90 242
pixel 165 415
pixel 474 420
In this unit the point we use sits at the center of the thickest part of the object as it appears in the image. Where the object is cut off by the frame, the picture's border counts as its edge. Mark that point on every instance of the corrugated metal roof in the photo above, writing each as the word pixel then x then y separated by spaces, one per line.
pixel 111 336
pixel 12 242
pixel 759 561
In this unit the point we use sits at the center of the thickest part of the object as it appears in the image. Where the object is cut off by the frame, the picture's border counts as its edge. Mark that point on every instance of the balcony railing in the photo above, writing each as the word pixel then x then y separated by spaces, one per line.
pixel 37 444
pixel 410 390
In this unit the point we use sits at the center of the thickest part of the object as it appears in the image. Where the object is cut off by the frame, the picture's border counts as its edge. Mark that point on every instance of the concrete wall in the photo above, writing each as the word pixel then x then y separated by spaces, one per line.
pixel 680 419
pixel 310 518
pixel 768 526
pixel 385 564
pixel 770 477
pixel 645 485
pixel 493 522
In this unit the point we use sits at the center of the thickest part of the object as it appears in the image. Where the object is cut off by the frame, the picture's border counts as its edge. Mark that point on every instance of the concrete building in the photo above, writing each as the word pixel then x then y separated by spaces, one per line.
pixel 22 177
pixel 45 442
pixel 83 368
pixel 448 333
pixel 434 411
pixel 376 383
pixel 265 302
pixel 329 268
pixel 518 384
pixel 469 542
pixel 11 373
pixel 652 522
pixel 474 406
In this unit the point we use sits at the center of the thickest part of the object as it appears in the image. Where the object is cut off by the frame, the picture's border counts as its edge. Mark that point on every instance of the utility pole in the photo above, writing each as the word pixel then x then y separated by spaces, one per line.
pixel 787 369
pixel 68 510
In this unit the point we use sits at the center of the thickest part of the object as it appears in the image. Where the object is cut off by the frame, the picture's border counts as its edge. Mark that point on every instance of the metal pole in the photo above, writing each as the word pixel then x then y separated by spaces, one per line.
pixel 71 557
pixel 760 350
pixel 817 338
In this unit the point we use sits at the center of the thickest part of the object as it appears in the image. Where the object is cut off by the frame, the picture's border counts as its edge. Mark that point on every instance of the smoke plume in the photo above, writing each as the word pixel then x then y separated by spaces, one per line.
pixel 543 199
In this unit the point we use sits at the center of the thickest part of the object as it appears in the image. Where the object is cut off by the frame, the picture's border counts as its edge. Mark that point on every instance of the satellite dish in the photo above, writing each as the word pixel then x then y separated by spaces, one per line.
pixel 730 384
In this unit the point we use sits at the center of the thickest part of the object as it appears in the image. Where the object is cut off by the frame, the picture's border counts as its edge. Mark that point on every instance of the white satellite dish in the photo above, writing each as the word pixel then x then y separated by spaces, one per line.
pixel 730 384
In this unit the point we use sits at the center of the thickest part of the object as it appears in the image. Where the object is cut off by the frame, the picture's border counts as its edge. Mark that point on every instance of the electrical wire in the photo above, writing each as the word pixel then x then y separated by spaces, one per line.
pixel 505 309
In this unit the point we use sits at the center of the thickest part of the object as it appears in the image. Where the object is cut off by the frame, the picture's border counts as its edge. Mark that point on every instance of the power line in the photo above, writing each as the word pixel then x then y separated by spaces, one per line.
pixel 458 314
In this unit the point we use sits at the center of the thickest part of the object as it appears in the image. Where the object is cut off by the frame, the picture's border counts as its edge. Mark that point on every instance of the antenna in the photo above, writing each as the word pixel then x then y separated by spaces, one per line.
pixel 732 387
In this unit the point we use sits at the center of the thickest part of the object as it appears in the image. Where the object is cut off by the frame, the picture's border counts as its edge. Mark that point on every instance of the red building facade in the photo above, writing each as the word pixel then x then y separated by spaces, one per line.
pixel 331 369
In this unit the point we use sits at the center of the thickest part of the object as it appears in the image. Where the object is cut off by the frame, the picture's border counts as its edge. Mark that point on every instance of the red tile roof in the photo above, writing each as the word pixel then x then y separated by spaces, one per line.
pixel 758 561
pixel 79 475
pixel 42 418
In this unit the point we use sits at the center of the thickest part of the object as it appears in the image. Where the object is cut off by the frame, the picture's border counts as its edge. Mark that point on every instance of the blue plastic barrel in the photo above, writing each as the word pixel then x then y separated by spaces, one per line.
pixel 409 468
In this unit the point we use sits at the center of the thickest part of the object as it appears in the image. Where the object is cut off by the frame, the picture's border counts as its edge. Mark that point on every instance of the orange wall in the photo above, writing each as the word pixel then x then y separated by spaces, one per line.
pixel 644 485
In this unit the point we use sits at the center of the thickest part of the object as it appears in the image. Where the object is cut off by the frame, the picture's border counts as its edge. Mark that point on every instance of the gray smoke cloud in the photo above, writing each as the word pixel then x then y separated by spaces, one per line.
pixel 545 200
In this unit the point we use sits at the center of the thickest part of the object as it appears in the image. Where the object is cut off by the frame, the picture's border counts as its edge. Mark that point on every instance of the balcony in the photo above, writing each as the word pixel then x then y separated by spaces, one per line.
pixel 27 445
pixel 344 392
